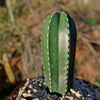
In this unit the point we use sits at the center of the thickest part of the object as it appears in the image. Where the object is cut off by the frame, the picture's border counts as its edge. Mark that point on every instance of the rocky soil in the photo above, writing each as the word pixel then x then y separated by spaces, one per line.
pixel 35 90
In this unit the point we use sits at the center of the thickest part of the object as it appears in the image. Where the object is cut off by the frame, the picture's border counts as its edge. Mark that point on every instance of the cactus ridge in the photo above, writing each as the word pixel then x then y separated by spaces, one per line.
pixel 66 43
pixel 57 45
pixel 48 80
pixel 67 65
pixel 48 54
pixel 68 46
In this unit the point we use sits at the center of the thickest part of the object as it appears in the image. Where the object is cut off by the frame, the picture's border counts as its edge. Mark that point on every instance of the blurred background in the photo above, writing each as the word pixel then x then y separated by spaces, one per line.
pixel 20 30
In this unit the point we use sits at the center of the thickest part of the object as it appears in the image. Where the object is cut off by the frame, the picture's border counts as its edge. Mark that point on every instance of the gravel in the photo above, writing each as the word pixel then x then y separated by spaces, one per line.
pixel 35 90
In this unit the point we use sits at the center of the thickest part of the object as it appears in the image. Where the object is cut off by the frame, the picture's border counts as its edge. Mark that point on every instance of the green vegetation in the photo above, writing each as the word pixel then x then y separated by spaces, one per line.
pixel 4 20
pixel 82 62
pixel 58 51
pixel 76 64
pixel 91 21
pixel 97 82
pixel 11 38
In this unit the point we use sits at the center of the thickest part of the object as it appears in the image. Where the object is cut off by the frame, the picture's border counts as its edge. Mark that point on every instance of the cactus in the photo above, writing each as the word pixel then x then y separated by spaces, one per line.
pixel 58 44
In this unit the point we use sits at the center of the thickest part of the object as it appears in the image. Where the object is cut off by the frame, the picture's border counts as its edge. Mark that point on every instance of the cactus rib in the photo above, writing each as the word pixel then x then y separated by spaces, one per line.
pixel 47 62
pixel 64 38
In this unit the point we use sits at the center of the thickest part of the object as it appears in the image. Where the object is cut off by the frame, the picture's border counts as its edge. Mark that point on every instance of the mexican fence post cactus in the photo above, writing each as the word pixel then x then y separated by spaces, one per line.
pixel 58 44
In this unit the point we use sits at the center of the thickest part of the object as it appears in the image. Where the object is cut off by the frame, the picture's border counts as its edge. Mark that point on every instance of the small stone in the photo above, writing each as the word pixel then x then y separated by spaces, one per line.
pixel 29 91
pixel 34 90
pixel 26 95
pixel 30 86
pixel 96 90
pixel 98 95
pixel 40 85
pixel 34 84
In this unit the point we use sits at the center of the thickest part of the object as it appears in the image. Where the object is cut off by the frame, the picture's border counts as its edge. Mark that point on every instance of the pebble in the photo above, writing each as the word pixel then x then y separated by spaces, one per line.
pixel 27 95
pixel 29 91
pixel 30 86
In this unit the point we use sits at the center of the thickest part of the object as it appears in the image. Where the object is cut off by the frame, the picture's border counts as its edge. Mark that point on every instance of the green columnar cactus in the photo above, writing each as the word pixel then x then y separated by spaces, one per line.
pixel 58 42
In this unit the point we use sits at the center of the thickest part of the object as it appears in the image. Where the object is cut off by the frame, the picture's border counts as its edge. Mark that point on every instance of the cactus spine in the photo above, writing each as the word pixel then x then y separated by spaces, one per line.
pixel 58 51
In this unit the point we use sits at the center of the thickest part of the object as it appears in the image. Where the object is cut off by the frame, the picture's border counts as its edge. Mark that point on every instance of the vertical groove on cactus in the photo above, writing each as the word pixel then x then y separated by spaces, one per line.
pixel 58 51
